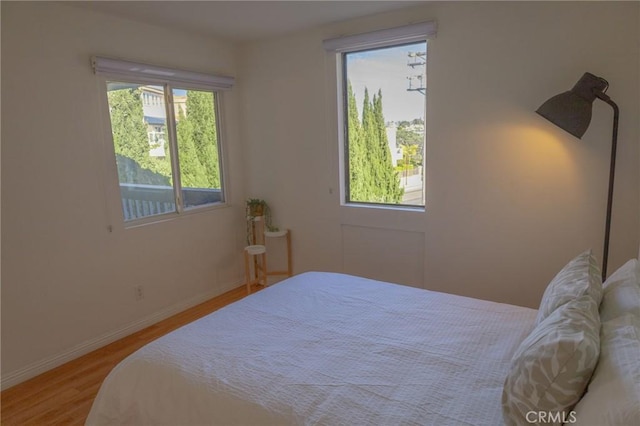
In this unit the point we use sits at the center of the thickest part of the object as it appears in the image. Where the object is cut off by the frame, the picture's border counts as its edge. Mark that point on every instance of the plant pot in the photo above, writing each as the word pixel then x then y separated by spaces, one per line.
pixel 256 210
pixel 275 234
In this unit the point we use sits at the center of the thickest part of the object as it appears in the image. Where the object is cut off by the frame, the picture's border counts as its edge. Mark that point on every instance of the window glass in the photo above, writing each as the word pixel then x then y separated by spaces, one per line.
pixel 198 150
pixel 384 92
pixel 138 126
pixel 143 141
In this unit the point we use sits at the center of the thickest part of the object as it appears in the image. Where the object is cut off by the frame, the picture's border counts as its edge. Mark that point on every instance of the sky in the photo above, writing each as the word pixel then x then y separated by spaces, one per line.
pixel 387 69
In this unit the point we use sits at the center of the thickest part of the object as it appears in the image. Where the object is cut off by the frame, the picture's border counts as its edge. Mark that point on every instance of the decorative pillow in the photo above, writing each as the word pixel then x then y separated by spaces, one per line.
pixel 613 397
pixel 621 292
pixel 579 277
pixel 551 368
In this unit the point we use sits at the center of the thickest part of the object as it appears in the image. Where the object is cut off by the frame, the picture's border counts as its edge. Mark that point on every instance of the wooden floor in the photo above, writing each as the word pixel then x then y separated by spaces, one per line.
pixel 63 396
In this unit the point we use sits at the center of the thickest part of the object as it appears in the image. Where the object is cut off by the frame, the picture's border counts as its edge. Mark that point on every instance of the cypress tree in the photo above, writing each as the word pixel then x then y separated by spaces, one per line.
pixel 372 177
pixel 371 173
pixel 201 116
pixel 390 189
pixel 356 149
pixel 192 173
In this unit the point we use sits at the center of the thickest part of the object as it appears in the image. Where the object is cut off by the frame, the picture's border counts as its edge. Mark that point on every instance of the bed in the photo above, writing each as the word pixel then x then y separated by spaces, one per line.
pixel 324 348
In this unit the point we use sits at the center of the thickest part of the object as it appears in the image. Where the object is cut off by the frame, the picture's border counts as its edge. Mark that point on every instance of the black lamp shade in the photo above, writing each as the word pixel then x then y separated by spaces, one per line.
pixel 568 111
pixel 571 111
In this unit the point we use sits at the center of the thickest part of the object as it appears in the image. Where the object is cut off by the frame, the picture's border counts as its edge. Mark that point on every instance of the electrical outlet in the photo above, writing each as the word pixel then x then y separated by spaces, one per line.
pixel 139 292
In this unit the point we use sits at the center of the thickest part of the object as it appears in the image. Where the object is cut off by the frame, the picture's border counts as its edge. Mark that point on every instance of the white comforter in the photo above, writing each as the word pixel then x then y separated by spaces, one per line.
pixel 328 349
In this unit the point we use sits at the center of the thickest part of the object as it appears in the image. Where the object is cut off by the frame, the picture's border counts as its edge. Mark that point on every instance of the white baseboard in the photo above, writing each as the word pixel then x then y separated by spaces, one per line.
pixel 39 367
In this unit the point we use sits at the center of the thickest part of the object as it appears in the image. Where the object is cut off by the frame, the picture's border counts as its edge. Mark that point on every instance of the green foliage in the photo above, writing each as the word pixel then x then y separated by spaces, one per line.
pixel 130 139
pixel 129 171
pixel 255 202
pixel 197 141
pixel 358 177
pixel 192 173
pixel 388 178
pixel 372 177
pixel 411 141
pixel 411 157
pixel 406 136
pixel 199 132
pixel 258 207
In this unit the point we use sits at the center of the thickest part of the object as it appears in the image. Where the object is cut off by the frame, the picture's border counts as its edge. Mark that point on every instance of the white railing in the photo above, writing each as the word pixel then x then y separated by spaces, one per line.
pixel 139 200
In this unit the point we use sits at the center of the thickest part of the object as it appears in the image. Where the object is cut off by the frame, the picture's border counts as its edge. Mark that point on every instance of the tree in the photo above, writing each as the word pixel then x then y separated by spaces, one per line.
pixel 129 171
pixel 411 140
pixel 410 157
pixel 372 177
pixel 406 136
pixel 357 154
pixel 201 122
pixel 390 189
pixel 130 139
pixel 192 173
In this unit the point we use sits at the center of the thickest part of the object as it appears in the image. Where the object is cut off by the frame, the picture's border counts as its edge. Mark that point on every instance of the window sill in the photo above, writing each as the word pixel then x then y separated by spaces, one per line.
pixel 399 207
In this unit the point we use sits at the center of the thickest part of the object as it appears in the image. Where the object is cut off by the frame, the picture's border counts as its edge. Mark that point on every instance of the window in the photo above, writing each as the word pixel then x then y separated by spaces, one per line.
pixel 166 140
pixel 383 87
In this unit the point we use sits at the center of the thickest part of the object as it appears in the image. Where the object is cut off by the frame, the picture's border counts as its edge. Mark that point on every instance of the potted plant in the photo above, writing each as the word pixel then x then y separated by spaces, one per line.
pixel 255 207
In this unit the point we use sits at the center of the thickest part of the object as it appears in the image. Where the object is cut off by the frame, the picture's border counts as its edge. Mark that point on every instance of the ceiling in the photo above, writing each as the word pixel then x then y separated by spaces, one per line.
pixel 241 20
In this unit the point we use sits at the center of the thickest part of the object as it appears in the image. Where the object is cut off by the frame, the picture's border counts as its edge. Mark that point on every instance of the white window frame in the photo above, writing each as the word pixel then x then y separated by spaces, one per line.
pixel 339 46
pixel 136 73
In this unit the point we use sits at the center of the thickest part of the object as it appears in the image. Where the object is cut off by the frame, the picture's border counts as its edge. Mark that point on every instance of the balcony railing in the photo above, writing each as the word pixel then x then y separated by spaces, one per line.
pixel 140 200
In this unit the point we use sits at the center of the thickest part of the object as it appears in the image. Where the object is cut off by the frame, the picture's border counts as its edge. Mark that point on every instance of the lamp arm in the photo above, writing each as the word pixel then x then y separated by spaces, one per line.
pixel 612 172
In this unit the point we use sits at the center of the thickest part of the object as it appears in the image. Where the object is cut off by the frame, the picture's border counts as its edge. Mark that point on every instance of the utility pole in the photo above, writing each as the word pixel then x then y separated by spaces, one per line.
pixel 417 82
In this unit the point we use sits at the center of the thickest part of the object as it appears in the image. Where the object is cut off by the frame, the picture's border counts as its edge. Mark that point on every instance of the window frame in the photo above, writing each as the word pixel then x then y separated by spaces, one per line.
pixel 364 42
pixel 113 183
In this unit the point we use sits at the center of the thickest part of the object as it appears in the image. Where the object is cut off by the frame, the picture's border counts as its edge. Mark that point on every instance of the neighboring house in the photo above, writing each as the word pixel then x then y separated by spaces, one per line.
pixel 155 116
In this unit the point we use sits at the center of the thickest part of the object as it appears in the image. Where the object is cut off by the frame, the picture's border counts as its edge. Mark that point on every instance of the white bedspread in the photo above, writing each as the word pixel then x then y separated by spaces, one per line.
pixel 328 349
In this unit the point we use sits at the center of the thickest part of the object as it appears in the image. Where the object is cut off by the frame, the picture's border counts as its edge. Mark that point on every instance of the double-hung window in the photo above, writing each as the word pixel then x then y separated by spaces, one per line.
pixel 382 84
pixel 166 134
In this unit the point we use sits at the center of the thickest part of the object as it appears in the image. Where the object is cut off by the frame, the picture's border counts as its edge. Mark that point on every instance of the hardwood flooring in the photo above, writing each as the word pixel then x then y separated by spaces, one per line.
pixel 63 396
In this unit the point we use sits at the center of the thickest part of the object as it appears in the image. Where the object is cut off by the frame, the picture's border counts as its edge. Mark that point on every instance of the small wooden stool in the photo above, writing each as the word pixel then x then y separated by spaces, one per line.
pixel 259 267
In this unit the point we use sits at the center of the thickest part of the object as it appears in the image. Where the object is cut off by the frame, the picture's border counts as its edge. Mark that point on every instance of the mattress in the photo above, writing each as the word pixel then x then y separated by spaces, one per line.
pixel 324 348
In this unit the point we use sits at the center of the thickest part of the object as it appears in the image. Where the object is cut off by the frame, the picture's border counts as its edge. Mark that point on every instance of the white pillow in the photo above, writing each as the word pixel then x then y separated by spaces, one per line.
pixel 581 276
pixel 621 292
pixel 613 395
pixel 551 368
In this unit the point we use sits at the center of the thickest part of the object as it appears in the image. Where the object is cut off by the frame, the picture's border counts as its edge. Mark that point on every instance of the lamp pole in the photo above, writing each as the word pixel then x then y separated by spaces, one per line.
pixel 612 168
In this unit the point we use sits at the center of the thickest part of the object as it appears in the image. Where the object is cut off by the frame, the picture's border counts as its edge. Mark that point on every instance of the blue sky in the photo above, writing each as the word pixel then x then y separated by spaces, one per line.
pixel 387 69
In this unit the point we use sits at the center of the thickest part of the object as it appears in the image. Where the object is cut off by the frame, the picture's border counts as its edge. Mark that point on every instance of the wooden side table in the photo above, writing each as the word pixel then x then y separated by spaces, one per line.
pixel 259 275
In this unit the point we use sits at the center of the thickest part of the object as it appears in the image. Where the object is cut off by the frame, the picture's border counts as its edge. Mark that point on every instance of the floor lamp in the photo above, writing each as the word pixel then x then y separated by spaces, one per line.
pixel 571 111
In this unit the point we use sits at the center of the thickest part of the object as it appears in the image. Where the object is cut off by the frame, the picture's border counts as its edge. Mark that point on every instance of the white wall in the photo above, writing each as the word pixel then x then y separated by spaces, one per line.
pixel 67 283
pixel 510 197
